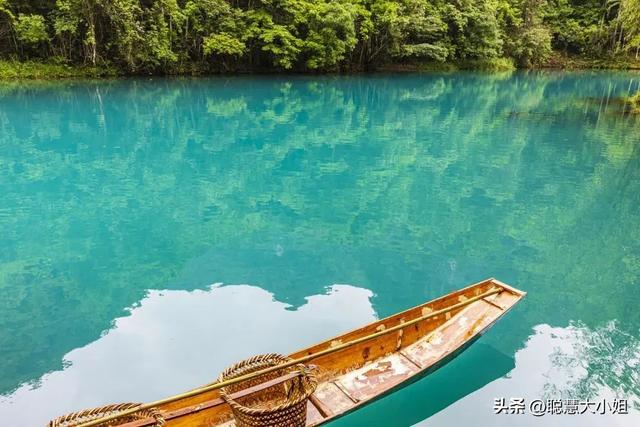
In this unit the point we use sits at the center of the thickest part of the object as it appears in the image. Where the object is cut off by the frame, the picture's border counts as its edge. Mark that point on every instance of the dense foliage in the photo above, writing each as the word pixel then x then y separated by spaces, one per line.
pixel 183 35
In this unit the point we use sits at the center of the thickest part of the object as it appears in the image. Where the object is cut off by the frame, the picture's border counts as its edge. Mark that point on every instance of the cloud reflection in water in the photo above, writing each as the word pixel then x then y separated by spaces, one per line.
pixel 574 362
pixel 176 340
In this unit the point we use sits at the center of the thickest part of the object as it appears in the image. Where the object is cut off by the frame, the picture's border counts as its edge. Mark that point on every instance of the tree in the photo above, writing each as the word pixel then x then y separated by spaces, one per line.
pixel 331 33
pixel 7 21
pixel 31 31
pixel 531 43
pixel 80 18
pixel 126 19
pixel 423 32
pixel 630 21
pixel 224 45
pixel 167 36
pixel 474 29
pixel 576 26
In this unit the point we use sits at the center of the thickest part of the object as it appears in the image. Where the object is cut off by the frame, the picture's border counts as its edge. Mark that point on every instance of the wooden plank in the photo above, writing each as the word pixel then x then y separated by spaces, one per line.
pixel 314 416
pixel 377 377
pixel 332 397
pixel 493 303
pixel 408 357
pixel 453 334
pixel 508 287
pixel 344 391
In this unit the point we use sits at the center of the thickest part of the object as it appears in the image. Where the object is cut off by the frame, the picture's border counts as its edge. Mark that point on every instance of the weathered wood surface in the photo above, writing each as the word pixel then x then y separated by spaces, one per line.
pixel 361 373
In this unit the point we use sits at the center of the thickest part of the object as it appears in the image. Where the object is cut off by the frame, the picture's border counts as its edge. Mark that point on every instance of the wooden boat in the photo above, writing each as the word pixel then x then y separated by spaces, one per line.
pixel 360 366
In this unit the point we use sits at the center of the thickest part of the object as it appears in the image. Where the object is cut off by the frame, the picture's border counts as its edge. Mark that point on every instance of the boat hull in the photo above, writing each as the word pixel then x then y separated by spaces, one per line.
pixel 368 363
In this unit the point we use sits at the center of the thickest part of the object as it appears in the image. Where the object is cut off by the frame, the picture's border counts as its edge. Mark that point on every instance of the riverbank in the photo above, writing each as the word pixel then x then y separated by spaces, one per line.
pixel 557 61
pixel 33 70
pixel 571 62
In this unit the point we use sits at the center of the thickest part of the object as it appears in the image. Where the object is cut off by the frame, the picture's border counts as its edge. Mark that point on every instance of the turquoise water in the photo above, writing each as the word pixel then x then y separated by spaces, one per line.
pixel 155 230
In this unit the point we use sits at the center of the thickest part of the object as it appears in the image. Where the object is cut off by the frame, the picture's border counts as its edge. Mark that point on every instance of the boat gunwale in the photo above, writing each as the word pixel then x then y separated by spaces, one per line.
pixel 399 314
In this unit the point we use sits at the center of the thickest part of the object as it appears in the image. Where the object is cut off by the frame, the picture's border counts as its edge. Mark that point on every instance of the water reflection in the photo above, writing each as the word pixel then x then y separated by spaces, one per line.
pixel 409 186
pixel 575 362
pixel 176 340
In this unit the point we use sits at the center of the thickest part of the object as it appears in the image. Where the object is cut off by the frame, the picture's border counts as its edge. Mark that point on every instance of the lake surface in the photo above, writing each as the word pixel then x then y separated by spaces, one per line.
pixel 154 231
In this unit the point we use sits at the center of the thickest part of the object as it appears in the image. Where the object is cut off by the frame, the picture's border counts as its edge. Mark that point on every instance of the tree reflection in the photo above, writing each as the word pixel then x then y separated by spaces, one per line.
pixel 410 186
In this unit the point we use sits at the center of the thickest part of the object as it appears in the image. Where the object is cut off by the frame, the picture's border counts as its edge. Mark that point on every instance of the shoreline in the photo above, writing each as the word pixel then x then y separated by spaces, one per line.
pixel 11 71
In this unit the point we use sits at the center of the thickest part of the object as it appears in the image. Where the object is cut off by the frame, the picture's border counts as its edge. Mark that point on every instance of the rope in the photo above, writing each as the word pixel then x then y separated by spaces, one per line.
pixel 300 391
pixel 303 359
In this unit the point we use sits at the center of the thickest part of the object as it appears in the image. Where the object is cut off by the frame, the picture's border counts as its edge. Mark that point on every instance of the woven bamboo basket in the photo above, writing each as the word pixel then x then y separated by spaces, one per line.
pixel 76 418
pixel 282 405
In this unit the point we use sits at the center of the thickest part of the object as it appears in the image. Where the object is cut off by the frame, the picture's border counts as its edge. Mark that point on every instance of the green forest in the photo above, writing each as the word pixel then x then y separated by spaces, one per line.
pixel 192 36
